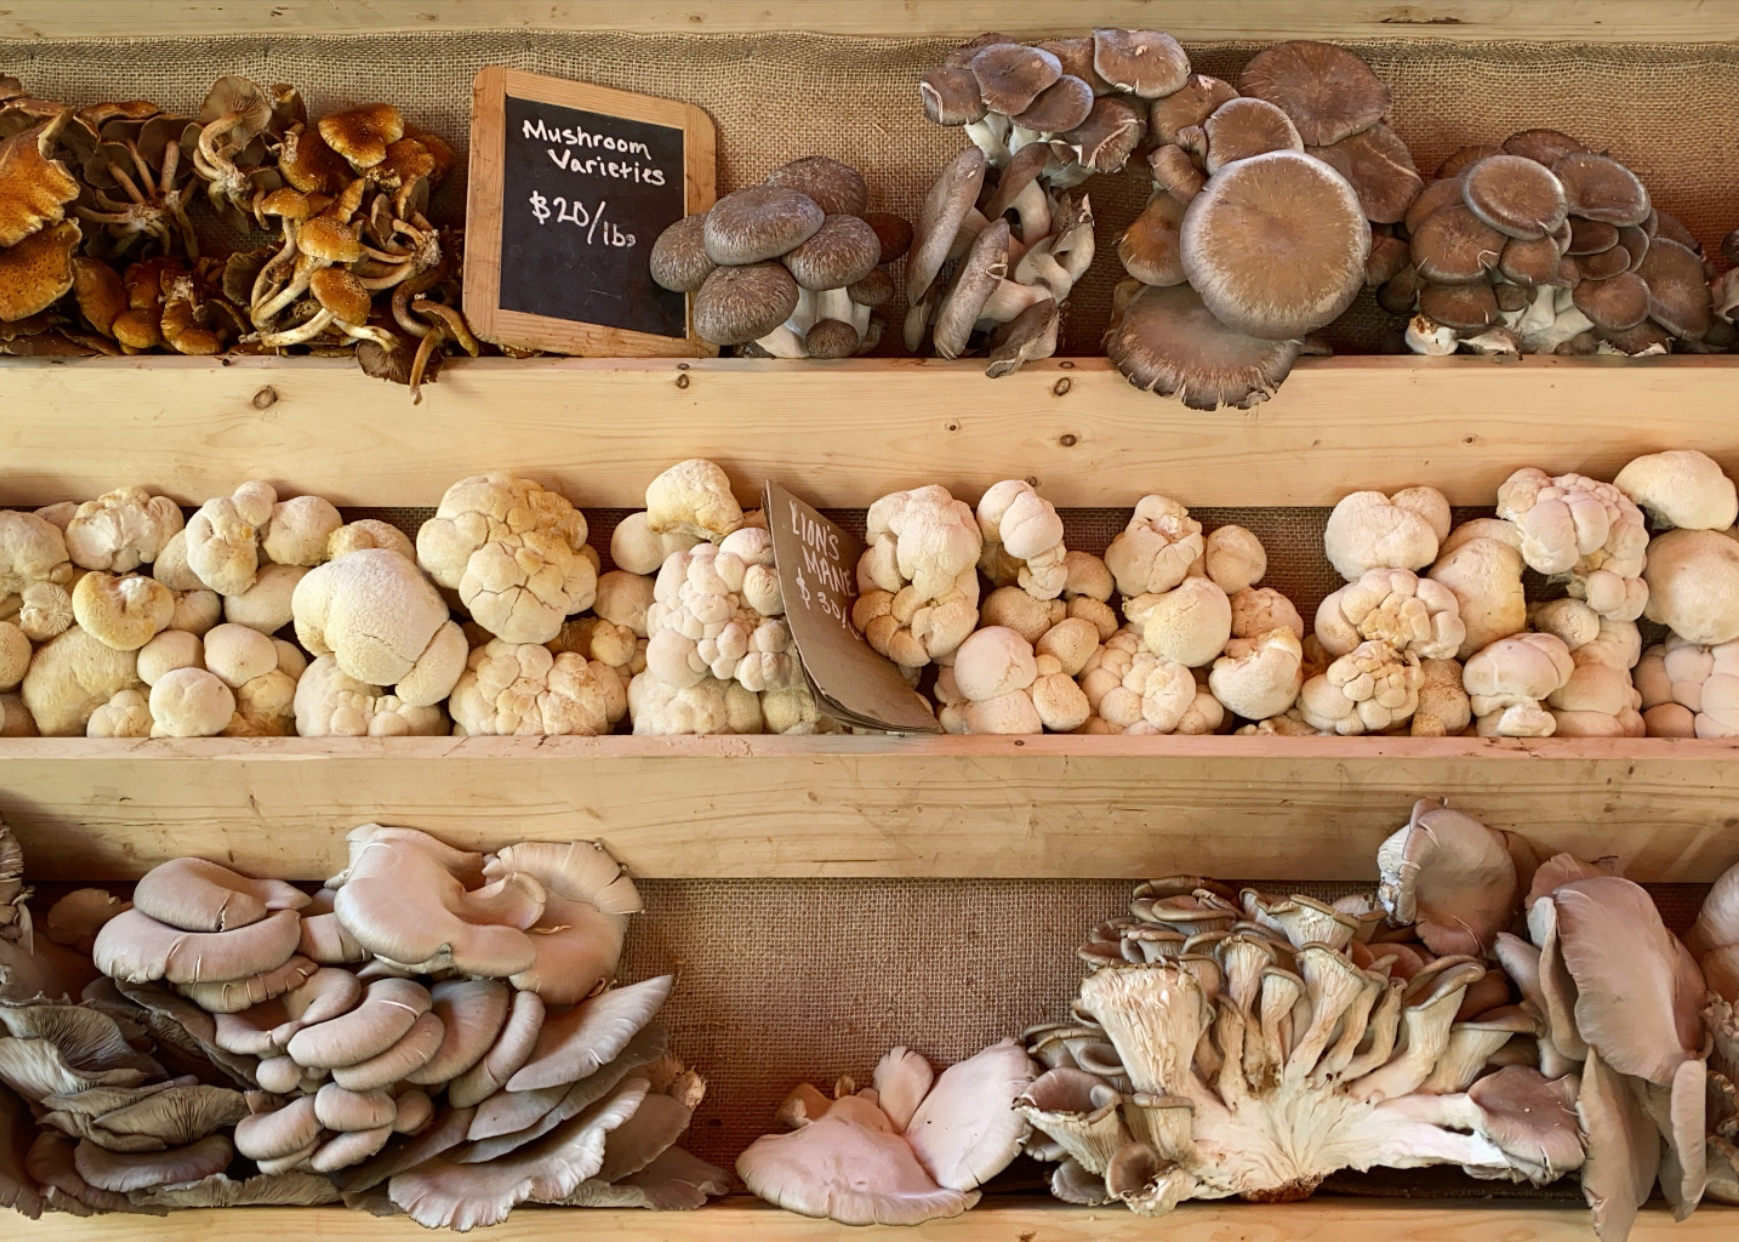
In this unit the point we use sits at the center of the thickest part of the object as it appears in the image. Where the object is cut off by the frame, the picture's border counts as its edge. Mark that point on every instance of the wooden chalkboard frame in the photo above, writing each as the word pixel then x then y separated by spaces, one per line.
pixel 483 221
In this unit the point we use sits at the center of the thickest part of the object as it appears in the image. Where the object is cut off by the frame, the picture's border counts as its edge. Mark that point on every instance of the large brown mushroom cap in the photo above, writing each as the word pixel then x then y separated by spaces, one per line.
pixel 1455 247
pixel 1191 104
pixel 1600 188
pixel 362 135
pixel 759 222
pixel 1515 195
pixel 1146 63
pixel 1241 128
pixel 950 198
pixel 34 189
pixel 38 271
pixel 679 259
pixel 1060 107
pixel 1168 342
pixel 1543 146
pixel 950 95
pixel 1011 75
pixel 1617 304
pixel 1328 92
pixel 1276 245
pixel 1678 299
pixel 841 252
pixel 737 305
pixel 1380 169
pixel 1149 248
pixel 834 187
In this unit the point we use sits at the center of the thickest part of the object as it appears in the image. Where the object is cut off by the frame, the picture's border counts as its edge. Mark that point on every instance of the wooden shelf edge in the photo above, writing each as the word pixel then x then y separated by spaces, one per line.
pixel 843 433
pixel 1612 21
pixel 1054 807
pixel 1316 1220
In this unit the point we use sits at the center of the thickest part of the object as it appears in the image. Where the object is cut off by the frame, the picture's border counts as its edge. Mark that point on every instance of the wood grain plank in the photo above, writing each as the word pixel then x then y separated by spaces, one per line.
pixel 1587 21
pixel 738 1220
pixel 841 433
pixel 1038 807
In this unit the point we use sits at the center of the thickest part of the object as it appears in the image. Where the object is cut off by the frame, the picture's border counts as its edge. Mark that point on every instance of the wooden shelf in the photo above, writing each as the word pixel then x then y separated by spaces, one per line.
pixel 745 1220
pixel 1583 21
pixel 842 433
pixel 751 807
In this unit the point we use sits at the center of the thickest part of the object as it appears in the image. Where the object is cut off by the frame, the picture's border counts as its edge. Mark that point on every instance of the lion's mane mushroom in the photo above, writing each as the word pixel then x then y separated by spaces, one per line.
pixel 383 623
pixel 71 677
pixel 1481 564
pixel 331 703
pixel 913 1147
pixel 1680 488
pixel 1693 585
pixel 1370 689
pixel 1155 551
pixel 1581 531
pixel 261 672
pixel 1023 539
pixel 1368 530
pixel 124 612
pixel 1132 690
pixel 121 530
pixel 512 550
pixel 708 706
pixel 1689 690
pixel 1599 700
pixel 1187 625
pixel 918 577
pixel 1397 606
pixel 32 553
pixel 222 538
pixel 1261 676
pixel 716 612
pixel 1508 681
pixel 999 684
pixel 1259 1058
pixel 521 688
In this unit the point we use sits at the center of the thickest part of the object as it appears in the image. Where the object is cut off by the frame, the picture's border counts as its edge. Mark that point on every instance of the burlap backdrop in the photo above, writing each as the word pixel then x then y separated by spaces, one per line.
pixel 788 980
pixel 1665 110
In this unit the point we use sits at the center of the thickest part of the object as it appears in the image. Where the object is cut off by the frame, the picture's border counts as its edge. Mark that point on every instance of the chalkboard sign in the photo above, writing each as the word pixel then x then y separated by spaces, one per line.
pixel 570 186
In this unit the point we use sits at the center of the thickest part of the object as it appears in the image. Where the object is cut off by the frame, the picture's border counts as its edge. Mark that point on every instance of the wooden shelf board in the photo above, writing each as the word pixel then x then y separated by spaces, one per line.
pixel 1578 21
pixel 842 433
pixel 745 1220
pixel 763 807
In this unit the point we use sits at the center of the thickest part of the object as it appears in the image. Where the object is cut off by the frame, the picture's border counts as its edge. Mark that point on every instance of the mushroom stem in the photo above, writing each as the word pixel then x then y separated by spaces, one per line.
pixel 293 336
pixel 268 270
pixel 990 135
pixel 783 342
pixel 1033 206
pixel 263 315
pixel 974 224
pixel 456 327
pixel 1009 299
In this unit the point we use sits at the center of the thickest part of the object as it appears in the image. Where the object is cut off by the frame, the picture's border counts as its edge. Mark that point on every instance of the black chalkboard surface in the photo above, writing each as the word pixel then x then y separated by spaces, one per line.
pixel 570 186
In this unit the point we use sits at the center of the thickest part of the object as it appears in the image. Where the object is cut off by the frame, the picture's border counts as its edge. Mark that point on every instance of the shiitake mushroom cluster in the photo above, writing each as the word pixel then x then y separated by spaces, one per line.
pixel 790 268
pixel 117 204
pixel 434 1032
pixel 1541 245
pixel 1259 230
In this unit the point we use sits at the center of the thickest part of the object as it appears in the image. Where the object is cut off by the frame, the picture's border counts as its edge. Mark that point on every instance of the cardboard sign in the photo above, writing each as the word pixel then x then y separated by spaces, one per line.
pixel 817 563
pixel 570 186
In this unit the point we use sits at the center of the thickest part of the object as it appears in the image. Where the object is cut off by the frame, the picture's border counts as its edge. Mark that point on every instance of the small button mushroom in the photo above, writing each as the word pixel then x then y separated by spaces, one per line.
pixel 1029 617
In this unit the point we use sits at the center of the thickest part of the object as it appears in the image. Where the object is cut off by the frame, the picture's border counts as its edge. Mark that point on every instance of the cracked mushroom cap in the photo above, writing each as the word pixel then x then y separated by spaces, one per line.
pixel 1329 92
pixel 1168 342
pixel 1680 488
pixel 122 529
pixel 1155 550
pixel 1693 585
pixel 992 662
pixel 196 895
pixel 1278 214
pixel 759 222
pixel 132 947
pixel 693 499
pixel 383 623
pixel 1368 530
pixel 299 530
pixel 124 612
pixel 1451 877
pixel 70 678
pixel 513 551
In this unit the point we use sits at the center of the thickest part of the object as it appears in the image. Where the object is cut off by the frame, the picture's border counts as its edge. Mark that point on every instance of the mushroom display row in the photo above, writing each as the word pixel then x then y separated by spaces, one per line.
pixel 1519 1019
pixel 122 205
pixel 434 1032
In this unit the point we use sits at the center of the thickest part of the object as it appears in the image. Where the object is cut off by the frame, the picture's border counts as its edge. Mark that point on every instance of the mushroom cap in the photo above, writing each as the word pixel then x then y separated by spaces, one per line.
pixel 329 239
pixel 190 702
pixel 1377 164
pixel 1112 131
pixel 950 197
pixel 1240 128
pixel 1276 245
pixel 950 95
pixel 843 251
pixel 759 222
pixel 692 498
pixel 1452 246
pixel 1450 876
pixel 1011 75
pixel 992 662
pixel 1329 92
pixel 965 1130
pixel 34 189
pixel 830 338
pixel 196 895
pixel 1678 299
pixel 1693 585
pixel 736 305
pixel 1234 558
pixel 981 271
pixel 1368 530
pixel 850 1166
pixel 342 292
pixel 1149 247
pixel 1515 195
pixel 38 271
pixel 362 134
pixel 1060 107
pixel 1598 187
pixel 1617 303
pixel 1681 488
pixel 1168 342
pixel 679 261
pixel 125 612
pixel 1148 64
pixel 838 189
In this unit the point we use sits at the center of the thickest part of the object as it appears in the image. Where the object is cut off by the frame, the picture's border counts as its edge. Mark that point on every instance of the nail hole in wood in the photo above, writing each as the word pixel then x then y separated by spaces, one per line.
pixel 1062 386
pixel 1032 480
pixel 265 398
pixel 682 381
pixel 1069 441
pixel 953 427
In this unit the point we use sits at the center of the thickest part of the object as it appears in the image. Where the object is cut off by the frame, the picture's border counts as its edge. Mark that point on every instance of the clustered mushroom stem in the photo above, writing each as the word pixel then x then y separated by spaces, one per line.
pixel 268 272
pixel 296 288
pixel 293 336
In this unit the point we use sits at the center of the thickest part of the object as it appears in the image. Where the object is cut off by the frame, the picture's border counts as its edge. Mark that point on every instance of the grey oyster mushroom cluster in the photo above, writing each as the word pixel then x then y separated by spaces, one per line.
pixel 1715 942
pixel 791 268
pixel 1000 244
pixel 1539 245
pixel 435 1032
pixel 911 1147
pixel 1240 1044
pixel 1271 202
